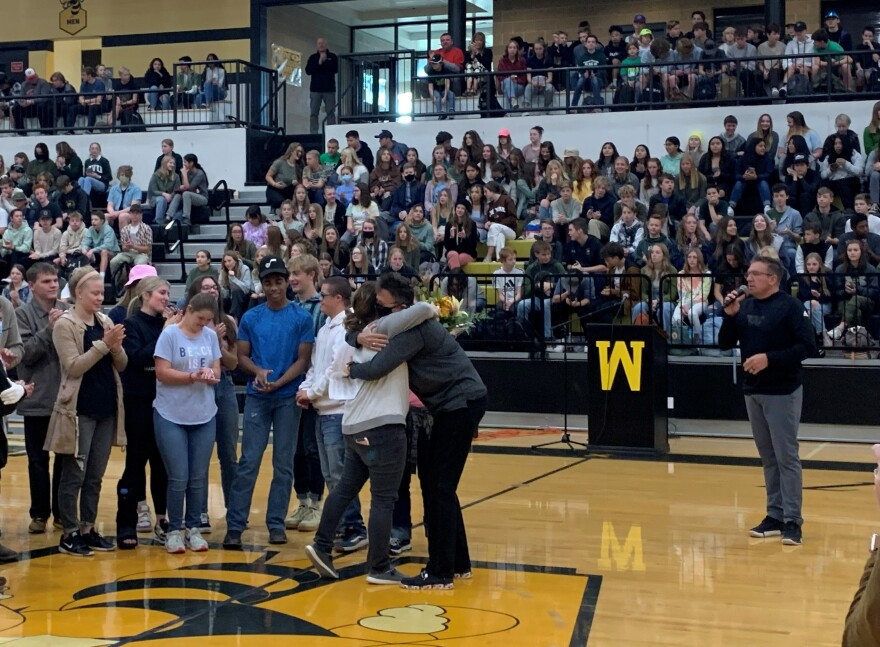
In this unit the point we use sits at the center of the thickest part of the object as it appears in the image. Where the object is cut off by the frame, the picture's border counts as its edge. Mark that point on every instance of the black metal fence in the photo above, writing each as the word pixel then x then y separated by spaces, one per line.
pixel 396 83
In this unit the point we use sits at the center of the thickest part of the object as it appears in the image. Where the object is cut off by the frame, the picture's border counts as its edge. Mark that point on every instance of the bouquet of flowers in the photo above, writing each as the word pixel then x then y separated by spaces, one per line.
pixel 451 314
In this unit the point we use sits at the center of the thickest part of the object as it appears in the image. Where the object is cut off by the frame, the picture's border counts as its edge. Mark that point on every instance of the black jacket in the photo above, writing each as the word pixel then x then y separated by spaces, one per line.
pixel 802 192
pixel 76 200
pixel 323 74
pixel 141 334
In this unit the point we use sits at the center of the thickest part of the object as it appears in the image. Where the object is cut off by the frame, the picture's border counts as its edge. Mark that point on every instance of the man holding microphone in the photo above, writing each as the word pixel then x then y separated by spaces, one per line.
pixel 774 338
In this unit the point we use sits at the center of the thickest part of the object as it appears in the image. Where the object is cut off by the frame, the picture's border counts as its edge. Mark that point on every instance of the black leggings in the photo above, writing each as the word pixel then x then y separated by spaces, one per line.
pixel 141 449
pixel 276 196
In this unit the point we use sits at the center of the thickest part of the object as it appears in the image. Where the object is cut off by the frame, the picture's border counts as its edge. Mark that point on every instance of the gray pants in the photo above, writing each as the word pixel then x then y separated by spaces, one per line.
pixel 315 99
pixel 775 420
pixel 182 204
pixel 533 92
pixel 81 475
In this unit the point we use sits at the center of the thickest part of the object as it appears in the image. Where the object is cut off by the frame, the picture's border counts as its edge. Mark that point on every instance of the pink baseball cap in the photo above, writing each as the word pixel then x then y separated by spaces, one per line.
pixel 139 272
pixel 504 132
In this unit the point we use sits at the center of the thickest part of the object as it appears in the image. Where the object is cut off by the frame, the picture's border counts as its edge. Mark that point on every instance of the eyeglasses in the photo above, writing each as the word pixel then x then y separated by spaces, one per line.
pixel 210 288
pixel 756 273
pixel 324 294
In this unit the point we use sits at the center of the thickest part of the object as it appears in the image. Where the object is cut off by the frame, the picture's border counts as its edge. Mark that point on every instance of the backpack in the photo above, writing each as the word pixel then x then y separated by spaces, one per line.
pixel 653 94
pixel 874 83
pixel 681 336
pixel 798 86
pixel 625 94
pixel 710 337
pixel 706 89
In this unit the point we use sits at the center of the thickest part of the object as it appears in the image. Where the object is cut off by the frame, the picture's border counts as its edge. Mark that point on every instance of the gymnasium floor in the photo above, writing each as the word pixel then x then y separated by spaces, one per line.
pixel 567 549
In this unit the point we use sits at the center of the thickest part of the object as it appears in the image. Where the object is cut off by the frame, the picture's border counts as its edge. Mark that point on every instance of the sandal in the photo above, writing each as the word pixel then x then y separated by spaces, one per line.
pixel 127 539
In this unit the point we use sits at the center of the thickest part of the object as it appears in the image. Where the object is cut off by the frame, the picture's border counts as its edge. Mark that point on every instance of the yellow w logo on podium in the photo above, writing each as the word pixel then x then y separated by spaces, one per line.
pixel 631 360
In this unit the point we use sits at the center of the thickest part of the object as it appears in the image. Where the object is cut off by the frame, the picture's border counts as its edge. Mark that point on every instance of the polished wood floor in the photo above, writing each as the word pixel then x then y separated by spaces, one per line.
pixel 568 550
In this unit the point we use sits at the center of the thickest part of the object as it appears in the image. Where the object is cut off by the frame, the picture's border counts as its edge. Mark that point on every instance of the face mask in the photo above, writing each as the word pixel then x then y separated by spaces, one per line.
pixel 368 234
pixel 409 178
pixel 124 181
pixel 382 311
pixel 346 178
pixel 41 155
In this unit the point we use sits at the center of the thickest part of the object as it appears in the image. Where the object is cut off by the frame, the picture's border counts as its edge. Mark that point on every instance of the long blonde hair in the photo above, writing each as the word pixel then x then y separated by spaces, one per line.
pixel 147 284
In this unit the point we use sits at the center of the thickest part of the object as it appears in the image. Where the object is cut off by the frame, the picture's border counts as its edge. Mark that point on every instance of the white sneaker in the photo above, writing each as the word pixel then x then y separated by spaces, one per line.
pixel 774 92
pixel 174 542
pixel 145 521
pixel 292 522
pixel 194 541
pixel 558 348
pixel 309 523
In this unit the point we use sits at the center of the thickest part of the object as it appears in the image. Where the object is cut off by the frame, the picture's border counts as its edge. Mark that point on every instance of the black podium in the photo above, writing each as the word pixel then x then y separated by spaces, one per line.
pixel 627 389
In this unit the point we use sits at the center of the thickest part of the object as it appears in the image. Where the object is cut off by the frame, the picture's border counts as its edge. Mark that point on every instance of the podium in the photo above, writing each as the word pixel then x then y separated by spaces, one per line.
pixel 627 389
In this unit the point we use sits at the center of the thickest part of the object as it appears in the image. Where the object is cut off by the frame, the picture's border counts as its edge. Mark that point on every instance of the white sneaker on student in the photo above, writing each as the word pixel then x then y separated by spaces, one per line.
pixel 174 542
pixel 194 541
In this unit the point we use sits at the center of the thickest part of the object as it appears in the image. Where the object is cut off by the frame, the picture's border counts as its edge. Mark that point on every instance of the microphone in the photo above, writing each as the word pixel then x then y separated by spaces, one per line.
pixel 733 296
pixel 624 296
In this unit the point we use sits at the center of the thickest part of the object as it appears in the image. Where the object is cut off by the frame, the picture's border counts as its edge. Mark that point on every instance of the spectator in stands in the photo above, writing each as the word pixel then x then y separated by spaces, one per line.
pixel 337 250
pixel 537 292
pixel 582 183
pixel 653 235
pixel 859 231
pixel 587 57
pixel 239 244
pixel 186 82
pixel 359 268
pixel 477 61
pixel 71 241
pixel 453 57
pixel 164 184
pixel 857 288
pixel 605 161
pixel 460 239
pixel 685 73
pixel 729 274
pixel 71 197
pixel 671 161
pixel 90 101
pixel 619 278
pixel 813 244
pixel 397 149
pixel 99 244
pixel 122 196
pixel 255 226
pixel 866 59
pixel 334 211
pixel 784 219
pixel 157 79
pixel 96 172
pixel 314 177
pixel 622 176
pixel 835 33
pixel 842 124
pixel 627 232
pixel 841 170
pixel 349 177
pixel 694 230
pixel 676 206
pixel 136 241
pixel 650 183
pixel 699 29
pixel 17 291
pixel 408 244
pixel 42 203
pixel 127 99
pixel 168 149
pixel 802 183
pixel 540 77
pixel 863 206
pixel 728 40
pixel 512 86
pixel 615 52
pixel 408 194
pixel 532 150
pixel 202 269
pixel 440 87
pixel 743 70
pixel 828 216
pixel 360 149
pixel 236 284
pixel 658 297
pixel 322 66
pixel 712 70
pixel 40 164
pixel 90 351
pixel 771 71
pixel 694 288
pixel 690 183
pixel 733 141
pixel 47 239
pixel 761 235
pixel 17 241
pixel 598 209
pixel 830 64
pixel 815 292
pixel 282 177
pixel 33 101
pixel 764 130
pixel 508 282
pixel 67 162
pixel 726 234
pixel 872 173
pixel 753 170
pixel 375 248
pixel 439 181
pixel 362 207
pixel 384 179
pixel 797 125
pixel 421 230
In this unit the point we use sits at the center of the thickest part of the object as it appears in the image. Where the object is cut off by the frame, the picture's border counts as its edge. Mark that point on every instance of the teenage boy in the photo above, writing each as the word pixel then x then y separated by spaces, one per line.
pixel 547 233
pixel 771 70
pixel 71 239
pixel 785 220
pixel 99 243
pixel 508 284
pixel 47 239
pixel 330 159
pixel 829 218
pixel 583 251
pixel 538 291
pixel 42 202
pixel 712 210
pixel 676 205
pixel 628 232
pixel 276 364
pixel 136 241
pixel 565 208
pixel 71 197
pixel 439 87
pixel 40 367
pixel 829 59
pixel 654 236
pixel 733 141
pixel 617 287
pixel 122 196
pixel 588 58
pixel 361 148
pixel 615 51
pixel 17 240
pixel 813 244
pixel 862 205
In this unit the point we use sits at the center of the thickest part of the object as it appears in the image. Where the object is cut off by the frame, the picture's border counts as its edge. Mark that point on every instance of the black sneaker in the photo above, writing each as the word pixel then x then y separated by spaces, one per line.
pixel 74 544
pixel 770 527
pixel 277 536
pixel 160 531
pixel 323 562
pixel 351 542
pixel 232 540
pixel 425 580
pixel 792 535
pixel 96 542
pixel 398 546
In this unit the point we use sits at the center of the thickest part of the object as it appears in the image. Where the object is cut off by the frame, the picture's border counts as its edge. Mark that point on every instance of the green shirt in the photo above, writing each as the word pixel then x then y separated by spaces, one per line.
pixel 630 67
pixel 831 48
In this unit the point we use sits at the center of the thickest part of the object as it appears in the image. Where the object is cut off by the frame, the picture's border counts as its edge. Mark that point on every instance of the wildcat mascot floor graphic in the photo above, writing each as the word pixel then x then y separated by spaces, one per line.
pixel 263 598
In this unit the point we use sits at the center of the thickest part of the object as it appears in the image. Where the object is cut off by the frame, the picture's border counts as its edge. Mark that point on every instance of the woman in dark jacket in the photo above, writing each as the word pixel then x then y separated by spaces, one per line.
pixel 753 169
pixel 157 79
pixel 856 287
pixel 718 166
pixel 461 239
pixel 147 318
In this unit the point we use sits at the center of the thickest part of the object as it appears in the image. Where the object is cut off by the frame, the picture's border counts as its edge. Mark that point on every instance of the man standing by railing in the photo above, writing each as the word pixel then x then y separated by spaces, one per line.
pixel 322 66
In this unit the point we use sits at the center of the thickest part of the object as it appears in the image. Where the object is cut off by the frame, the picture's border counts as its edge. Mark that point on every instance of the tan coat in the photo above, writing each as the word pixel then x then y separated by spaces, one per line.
pixel 862 627
pixel 67 336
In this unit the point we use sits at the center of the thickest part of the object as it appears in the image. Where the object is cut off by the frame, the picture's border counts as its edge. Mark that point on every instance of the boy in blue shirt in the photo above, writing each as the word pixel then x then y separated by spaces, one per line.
pixel 275 342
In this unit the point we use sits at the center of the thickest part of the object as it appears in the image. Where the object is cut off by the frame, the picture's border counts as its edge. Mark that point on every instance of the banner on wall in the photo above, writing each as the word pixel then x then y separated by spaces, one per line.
pixel 288 64
pixel 73 18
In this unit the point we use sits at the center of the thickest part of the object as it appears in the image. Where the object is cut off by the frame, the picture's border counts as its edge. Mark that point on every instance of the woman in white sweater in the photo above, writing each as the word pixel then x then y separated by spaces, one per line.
pixel 236 284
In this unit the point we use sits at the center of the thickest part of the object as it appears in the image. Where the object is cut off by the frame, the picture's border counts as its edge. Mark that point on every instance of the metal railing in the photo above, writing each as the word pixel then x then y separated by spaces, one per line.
pixel 248 98
pixel 392 84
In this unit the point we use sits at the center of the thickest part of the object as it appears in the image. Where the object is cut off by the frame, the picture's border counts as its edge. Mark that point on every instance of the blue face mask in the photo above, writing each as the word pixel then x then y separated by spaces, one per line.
pixel 346 178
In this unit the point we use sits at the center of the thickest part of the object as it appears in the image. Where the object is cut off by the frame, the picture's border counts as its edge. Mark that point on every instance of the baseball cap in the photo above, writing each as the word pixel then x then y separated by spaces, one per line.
pixel 436 58
pixel 831 14
pixel 504 132
pixel 800 157
pixel 18 168
pixel 646 32
pixel 800 26
pixel 272 265
pixel 44 213
pixel 571 152
pixel 18 194
pixel 443 137
pixel 709 45
pixel 139 272
pixel 385 133
pixel 30 72
pixel 639 18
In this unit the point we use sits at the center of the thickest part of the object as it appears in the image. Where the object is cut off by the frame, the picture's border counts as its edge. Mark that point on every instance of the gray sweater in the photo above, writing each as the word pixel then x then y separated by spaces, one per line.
pixel 40 361
pixel 440 373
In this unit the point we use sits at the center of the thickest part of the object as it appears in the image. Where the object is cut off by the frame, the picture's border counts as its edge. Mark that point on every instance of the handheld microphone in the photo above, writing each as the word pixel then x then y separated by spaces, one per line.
pixel 624 296
pixel 733 296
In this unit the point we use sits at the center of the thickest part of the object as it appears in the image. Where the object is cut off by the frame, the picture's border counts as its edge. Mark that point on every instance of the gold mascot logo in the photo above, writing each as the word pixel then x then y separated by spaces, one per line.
pixel 73 18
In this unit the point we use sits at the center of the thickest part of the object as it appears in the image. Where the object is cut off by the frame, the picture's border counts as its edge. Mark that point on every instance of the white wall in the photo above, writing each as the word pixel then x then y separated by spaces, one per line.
pixel 588 132
pixel 221 151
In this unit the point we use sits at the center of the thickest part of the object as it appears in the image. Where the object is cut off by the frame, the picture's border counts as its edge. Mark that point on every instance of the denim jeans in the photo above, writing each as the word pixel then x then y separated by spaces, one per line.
pixel 262 414
pixel 91 185
pixel 380 456
pixel 154 98
pixel 444 106
pixel 642 307
pixel 227 433
pixel 331 451
pixel 186 451
pixel 82 474
pixel 595 86
pixel 214 93
pixel 740 186
pixel 524 310
pixel 160 207
pixel 817 315
pixel 512 91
